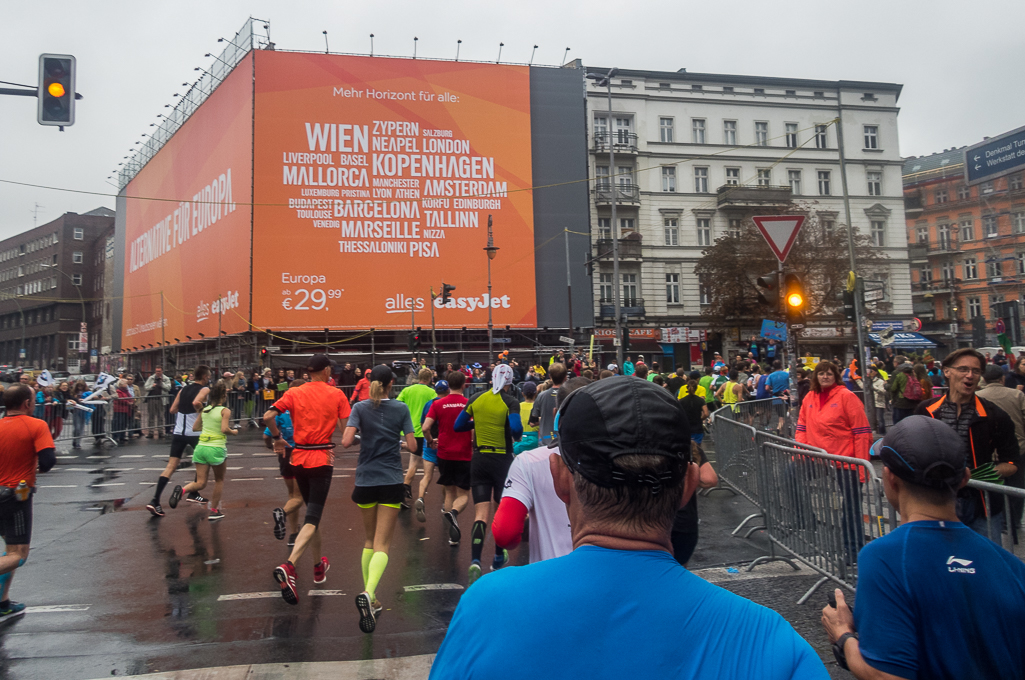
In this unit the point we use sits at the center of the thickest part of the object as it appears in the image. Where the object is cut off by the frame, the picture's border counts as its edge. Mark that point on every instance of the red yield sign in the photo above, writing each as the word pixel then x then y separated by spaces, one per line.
pixel 780 232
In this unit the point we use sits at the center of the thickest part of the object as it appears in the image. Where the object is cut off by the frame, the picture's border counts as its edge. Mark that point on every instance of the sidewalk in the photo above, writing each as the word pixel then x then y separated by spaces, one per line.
pixel 402 668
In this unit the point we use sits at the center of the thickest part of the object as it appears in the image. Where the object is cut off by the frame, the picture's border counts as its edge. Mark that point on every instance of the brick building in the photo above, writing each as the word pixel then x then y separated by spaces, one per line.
pixel 49 278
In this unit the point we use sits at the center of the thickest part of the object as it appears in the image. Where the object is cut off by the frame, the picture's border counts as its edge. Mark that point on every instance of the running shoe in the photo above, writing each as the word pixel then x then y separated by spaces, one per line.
pixel 501 559
pixel 473 574
pixel 196 498
pixel 155 509
pixel 279 523
pixel 12 608
pixel 367 615
pixel 176 496
pixel 421 515
pixel 377 607
pixel 453 529
pixel 291 539
pixel 215 515
pixel 285 575
pixel 320 570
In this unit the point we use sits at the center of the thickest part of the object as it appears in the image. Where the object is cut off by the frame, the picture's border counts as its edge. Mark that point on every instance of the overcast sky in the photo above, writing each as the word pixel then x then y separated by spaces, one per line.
pixel 960 63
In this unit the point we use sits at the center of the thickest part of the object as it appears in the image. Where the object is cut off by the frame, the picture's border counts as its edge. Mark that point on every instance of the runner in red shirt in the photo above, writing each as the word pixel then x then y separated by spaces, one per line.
pixel 455 449
pixel 26 444
pixel 316 409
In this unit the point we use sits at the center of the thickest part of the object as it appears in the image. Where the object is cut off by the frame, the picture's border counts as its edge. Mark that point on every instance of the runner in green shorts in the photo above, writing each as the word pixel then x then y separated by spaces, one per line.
pixel 213 424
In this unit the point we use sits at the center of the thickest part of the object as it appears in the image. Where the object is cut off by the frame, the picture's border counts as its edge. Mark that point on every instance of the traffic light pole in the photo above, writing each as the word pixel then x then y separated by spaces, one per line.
pixel 434 340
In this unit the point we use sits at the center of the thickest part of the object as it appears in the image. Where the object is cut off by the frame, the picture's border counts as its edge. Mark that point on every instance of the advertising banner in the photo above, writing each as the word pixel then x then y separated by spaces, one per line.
pixel 188 224
pixel 375 180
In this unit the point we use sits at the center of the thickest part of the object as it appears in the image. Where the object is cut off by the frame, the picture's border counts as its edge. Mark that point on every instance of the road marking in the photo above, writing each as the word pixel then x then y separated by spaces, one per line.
pixel 265 454
pixel 151 469
pixel 158 456
pixel 70 469
pixel 117 469
pixel 55 608
pixel 58 486
pixel 67 456
pixel 236 468
pixel 134 455
pixel 273 468
pixel 341 475
pixel 148 483
pixel 110 484
pixel 249 596
pixel 349 469
pixel 246 479
pixel 232 455
pixel 324 593
pixel 97 457
pixel 433 586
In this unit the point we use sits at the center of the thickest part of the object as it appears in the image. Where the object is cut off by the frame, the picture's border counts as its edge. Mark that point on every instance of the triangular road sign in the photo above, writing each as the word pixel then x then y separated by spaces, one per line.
pixel 780 231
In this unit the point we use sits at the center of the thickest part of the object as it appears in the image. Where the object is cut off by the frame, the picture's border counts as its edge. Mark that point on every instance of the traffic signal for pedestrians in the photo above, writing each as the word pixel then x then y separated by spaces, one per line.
pixel 414 340
pixel 446 293
pixel 56 90
pixel 848 305
pixel 767 296
pixel 794 297
pixel 263 353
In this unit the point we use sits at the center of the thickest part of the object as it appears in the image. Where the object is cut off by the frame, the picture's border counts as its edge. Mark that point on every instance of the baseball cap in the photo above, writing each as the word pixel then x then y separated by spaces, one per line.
pixel 382 374
pixel 441 386
pixel 923 451
pixel 318 362
pixel 620 416
pixel 529 388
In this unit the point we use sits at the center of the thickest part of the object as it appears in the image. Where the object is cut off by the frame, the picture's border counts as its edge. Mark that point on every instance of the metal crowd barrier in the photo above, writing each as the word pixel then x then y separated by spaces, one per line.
pixel 1004 528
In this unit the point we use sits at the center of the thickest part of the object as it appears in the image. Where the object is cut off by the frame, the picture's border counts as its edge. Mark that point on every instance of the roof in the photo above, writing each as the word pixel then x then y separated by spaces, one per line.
pixel 101 212
pixel 949 158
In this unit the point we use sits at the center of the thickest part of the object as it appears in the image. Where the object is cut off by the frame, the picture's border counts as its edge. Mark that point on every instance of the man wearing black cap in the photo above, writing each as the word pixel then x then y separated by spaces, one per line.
pixel 618 605
pixel 935 599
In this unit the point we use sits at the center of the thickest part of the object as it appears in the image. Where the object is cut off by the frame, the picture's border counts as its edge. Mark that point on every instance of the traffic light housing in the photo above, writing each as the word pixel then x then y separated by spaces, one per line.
pixel 56 90
pixel 848 305
pixel 766 291
pixel 414 340
pixel 446 293
pixel 263 353
pixel 795 299
pixel 626 339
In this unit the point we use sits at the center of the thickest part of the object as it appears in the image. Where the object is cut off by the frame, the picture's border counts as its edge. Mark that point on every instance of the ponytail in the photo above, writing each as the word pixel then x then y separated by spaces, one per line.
pixel 377 392
pixel 692 386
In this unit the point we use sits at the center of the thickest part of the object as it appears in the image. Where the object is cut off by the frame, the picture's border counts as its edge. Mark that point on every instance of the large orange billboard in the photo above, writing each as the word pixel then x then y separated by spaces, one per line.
pixel 188 225
pixel 375 179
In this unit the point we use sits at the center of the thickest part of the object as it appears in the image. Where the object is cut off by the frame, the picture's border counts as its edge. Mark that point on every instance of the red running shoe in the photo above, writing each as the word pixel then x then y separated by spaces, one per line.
pixel 285 575
pixel 320 570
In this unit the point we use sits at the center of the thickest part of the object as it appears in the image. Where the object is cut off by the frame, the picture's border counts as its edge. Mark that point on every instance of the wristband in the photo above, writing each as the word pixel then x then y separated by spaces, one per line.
pixel 276 437
pixel 841 657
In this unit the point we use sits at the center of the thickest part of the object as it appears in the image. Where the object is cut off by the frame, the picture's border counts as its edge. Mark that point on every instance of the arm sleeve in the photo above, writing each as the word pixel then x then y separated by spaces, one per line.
pixel 802 421
pixel 47 459
pixel 515 425
pixel 508 524
pixel 464 423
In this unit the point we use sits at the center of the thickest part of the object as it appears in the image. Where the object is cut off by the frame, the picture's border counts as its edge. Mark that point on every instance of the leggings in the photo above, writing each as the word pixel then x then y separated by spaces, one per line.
pixel 314 484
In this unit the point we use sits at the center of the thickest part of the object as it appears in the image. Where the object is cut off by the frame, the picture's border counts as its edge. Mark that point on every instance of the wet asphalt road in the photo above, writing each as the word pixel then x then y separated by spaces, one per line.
pixel 114 591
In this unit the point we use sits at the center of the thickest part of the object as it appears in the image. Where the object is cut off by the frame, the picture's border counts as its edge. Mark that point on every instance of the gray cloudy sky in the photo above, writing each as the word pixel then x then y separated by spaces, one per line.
pixel 960 67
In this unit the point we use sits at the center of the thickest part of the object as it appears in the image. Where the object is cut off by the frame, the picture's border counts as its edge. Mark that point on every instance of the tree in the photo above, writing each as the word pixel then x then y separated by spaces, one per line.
pixel 729 269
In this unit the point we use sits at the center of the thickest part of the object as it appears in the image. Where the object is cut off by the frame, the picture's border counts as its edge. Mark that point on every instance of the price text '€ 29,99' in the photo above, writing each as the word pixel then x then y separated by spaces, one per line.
pixel 304 299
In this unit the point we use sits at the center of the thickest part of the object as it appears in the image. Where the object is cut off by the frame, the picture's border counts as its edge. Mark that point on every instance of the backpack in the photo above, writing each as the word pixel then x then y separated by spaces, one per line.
pixel 913 389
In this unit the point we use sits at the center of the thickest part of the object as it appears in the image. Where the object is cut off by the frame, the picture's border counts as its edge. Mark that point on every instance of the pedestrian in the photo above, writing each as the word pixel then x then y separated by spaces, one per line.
pixel 620 583
pixel 455 451
pixel 286 517
pixel 61 397
pixel 122 411
pixel 929 576
pixel 430 450
pixel 213 423
pixel 185 410
pixel 1016 378
pixel 415 397
pixel 156 387
pixel 27 445
pixel 382 423
pixel 905 392
pixel 529 440
pixel 924 381
pixel 80 414
pixel 317 409
pixel 1011 402
pixel 696 409
pixel 135 422
pixel 362 390
pixel 877 387
pixel 494 417
pixel 628 367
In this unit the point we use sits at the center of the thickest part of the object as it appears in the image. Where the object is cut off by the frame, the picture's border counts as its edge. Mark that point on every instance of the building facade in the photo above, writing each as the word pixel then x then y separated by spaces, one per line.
pixel 697 155
pixel 50 284
pixel 966 246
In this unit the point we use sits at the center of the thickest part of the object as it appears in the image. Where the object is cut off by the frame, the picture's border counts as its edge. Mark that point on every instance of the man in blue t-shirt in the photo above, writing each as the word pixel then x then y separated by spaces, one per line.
pixel 619 605
pixel 935 599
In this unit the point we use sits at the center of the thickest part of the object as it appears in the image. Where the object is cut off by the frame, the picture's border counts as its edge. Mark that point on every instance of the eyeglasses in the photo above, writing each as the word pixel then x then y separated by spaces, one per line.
pixel 965 370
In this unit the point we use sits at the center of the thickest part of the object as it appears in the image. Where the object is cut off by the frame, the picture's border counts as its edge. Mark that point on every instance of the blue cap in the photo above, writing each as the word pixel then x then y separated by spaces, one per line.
pixel 441 386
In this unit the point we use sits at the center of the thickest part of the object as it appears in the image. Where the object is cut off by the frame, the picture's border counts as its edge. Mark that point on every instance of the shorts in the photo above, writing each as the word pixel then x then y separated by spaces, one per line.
pixel 180 441
pixel 285 464
pixel 430 455
pixel 390 495
pixel 528 442
pixel 16 521
pixel 208 455
pixel 698 438
pixel 454 473
pixel 487 475
pixel 419 447
pixel 314 484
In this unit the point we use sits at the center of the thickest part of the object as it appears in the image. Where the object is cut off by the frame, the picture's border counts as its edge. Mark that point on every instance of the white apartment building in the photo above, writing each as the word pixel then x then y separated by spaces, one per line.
pixel 698 154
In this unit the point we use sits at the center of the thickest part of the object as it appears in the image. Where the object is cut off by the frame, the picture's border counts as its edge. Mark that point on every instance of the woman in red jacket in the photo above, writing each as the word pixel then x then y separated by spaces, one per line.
pixel 833 418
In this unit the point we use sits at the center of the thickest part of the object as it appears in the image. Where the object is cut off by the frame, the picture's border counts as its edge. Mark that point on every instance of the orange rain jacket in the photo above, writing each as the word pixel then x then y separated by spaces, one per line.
pixel 840 426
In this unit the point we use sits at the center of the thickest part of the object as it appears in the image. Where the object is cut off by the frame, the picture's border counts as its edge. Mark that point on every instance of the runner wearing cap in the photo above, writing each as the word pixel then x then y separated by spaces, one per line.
pixel 416 396
pixel 625 469
pixel 430 450
pixel 185 409
pixel 382 423
pixel 494 417
pixel 935 599
pixel 317 409
pixel 455 450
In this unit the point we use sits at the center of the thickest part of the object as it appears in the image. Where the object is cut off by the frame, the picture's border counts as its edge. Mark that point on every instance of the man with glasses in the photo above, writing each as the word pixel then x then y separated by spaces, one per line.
pixel 987 433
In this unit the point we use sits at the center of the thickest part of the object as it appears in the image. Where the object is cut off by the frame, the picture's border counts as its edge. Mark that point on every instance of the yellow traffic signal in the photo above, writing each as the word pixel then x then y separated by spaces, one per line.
pixel 795 300
pixel 795 297
pixel 56 90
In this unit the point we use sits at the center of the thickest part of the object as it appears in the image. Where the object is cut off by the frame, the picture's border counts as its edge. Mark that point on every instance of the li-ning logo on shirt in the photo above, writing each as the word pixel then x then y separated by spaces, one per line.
pixel 963 567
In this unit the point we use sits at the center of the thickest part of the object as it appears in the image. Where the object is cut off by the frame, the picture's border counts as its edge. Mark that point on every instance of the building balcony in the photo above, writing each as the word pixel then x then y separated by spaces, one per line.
pixel 629 249
pixel 742 196
pixel 629 307
pixel 923 309
pixel 913 204
pixel 923 250
pixel 918 252
pixel 626 194
pixel 622 142
pixel 929 288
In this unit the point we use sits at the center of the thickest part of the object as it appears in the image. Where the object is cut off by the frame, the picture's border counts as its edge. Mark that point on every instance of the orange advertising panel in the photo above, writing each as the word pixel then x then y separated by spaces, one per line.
pixel 375 179
pixel 188 225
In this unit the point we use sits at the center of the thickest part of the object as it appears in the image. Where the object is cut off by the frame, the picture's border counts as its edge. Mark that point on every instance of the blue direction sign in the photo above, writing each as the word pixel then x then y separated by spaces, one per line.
pixel 995 157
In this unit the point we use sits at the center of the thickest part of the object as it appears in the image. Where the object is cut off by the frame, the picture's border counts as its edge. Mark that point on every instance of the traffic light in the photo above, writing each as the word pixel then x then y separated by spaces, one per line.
pixel 414 340
pixel 56 90
pixel 263 353
pixel 410 341
pixel 626 339
pixel 848 305
pixel 767 296
pixel 795 298
pixel 446 291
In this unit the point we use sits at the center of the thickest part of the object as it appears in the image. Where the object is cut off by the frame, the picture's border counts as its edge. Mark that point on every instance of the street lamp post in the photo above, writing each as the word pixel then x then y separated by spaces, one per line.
pixel 491 250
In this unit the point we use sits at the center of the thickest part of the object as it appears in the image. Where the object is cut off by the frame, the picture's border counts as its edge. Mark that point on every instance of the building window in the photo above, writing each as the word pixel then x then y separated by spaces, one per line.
pixel 73 344
pixel 989 226
pixel 76 257
pixel 664 86
pixel 727 88
pixel 871 136
pixel 759 90
pixel 791 93
pixel 629 290
pixel 820 137
pixel 626 225
pixel 941 195
pixel 824 183
pixel 78 234
pixel 791 138
pixel 1021 263
pixel 605 287
pixel 601 177
pixel 673 289
pixel 668 179
pixel 794 177
pixel 701 180
pixel 829 227
pixel 1014 182
pixel 764 177
pixel 697 126
pixel 878 233
pixel 76 279
pixel 974 307
pixel 963 193
pixel 605 228
pixel 704 291
pixel 665 128
pixel 625 176
pixel 1018 220
pixel 967 230
pixel 922 234
pixel 943 236
pixel 729 132
pixel 925 273
pixel 947 272
pixel 986 188
pixel 672 231
pixel 704 231
pixel 733 176
pixel 993 269
pixel 734 228
pixel 762 134
pixel 697 87
pixel 875 183
pixel 970 269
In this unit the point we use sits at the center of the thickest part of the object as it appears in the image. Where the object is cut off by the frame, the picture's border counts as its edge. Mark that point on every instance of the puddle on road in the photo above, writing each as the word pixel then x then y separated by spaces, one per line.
pixel 103 507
